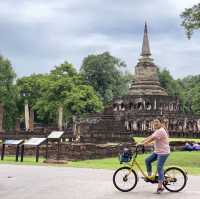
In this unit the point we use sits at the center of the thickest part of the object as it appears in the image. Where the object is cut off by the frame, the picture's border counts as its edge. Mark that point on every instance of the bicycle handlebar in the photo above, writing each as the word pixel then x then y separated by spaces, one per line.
pixel 138 145
pixel 136 149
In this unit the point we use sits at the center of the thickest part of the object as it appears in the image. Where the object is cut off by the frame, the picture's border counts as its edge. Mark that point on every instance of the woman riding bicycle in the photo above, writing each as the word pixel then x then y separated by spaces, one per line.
pixel 161 151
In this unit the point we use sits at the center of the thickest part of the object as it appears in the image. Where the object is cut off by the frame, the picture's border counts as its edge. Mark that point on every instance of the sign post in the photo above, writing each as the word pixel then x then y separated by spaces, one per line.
pixel 34 142
pixel 15 143
pixel 55 136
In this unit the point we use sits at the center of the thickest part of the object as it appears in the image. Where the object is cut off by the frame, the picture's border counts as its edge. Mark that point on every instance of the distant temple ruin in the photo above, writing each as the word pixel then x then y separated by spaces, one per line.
pixel 126 116
pixel 105 134
pixel 135 112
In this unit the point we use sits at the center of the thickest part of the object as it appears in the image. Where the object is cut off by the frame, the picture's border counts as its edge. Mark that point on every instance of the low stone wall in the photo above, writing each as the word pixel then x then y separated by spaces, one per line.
pixel 84 151
pixel 76 151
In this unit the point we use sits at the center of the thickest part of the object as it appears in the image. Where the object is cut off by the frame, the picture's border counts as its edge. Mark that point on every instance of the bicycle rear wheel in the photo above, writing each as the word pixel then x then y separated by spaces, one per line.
pixel 175 179
pixel 125 179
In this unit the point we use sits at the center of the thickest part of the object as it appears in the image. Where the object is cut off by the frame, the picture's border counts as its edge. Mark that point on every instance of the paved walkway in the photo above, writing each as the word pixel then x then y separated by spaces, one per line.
pixel 42 182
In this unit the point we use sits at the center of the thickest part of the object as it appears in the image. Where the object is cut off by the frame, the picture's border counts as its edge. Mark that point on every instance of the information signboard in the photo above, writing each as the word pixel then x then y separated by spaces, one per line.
pixel 35 141
pixel 55 134
pixel 13 142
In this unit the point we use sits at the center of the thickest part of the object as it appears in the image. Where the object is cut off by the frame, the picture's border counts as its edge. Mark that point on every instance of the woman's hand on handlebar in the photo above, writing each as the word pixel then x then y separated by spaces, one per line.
pixel 139 145
pixel 142 147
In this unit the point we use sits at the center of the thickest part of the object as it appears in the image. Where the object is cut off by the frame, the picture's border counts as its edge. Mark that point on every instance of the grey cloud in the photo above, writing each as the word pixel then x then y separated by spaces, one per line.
pixel 36 35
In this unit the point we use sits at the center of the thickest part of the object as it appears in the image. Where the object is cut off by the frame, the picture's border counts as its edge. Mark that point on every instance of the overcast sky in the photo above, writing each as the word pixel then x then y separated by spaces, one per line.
pixel 36 35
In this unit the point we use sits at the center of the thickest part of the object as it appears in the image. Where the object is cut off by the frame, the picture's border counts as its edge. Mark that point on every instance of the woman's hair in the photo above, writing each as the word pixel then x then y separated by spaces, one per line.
pixel 162 121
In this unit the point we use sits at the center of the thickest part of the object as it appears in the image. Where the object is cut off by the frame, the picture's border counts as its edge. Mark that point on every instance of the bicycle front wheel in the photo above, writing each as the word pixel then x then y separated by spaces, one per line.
pixel 125 179
pixel 175 179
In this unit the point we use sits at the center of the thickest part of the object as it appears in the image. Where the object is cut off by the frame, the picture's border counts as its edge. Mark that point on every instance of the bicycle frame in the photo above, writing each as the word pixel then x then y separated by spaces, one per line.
pixel 131 167
pixel 135 163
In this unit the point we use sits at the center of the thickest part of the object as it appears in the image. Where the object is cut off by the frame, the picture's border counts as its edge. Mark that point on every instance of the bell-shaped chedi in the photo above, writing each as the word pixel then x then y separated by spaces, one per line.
pixel 146 80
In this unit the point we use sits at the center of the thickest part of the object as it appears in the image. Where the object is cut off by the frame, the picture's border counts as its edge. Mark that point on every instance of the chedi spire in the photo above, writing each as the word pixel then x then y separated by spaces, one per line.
pixel 145 46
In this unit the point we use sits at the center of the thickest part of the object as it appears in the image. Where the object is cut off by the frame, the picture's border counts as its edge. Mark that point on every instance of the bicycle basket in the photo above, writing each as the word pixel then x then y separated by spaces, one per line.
pixel 125 155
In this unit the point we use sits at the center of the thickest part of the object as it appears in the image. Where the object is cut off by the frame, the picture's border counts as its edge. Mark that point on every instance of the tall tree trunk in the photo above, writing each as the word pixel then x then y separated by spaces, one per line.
pixel 60 118
pixel 17 125
pixel 31 119
pixel 1 116
pixel 26 115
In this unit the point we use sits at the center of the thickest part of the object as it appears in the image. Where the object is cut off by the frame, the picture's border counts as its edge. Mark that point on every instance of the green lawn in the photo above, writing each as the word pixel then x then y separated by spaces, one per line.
pixel 188 160
pixel 28 160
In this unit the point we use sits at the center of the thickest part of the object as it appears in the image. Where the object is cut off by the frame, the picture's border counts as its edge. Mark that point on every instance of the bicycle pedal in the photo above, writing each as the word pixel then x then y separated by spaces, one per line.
pixel 146 179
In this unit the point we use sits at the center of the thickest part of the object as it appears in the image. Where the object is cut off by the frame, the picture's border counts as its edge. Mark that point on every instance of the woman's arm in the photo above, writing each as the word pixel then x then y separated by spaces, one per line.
pixel 148 140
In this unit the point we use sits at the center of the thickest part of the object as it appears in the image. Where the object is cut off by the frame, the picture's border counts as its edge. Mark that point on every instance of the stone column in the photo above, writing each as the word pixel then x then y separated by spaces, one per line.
pixel 127 125
pixel 198 125
pixel 195 128
pixel 74 124
pixel 78 135
pixel 155 104
pixel 119 107
pixel 115 108
pixel 152 125
pixel 31 119
pixel 134 125
pixel 17 125
pixel 161 110
pixel 26 108
pixel 60 118
pixel 144 125
pixel 185 124
pixel 166 123
pixel 1 116
pixel 76 129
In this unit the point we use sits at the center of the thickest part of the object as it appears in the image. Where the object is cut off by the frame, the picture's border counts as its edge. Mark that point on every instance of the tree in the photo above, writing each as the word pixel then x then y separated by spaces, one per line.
pixel 191 90
pixel 166 80
pixel 174 88
pixel 187 90
pixel 103 73
pixel 30 88
pixel 191 19
pixel 8 93
pixel 65 87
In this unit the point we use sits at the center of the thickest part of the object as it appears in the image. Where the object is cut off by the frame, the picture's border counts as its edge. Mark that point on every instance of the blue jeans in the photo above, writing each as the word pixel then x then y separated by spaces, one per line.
pixel 160 163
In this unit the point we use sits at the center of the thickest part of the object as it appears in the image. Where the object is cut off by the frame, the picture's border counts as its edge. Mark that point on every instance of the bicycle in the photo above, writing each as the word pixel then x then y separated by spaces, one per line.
pixel 126 178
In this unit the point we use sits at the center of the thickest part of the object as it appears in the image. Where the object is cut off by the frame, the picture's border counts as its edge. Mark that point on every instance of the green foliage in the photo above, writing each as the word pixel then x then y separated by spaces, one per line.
pixel 166 80
pixel 65 87
pixel 191 19
pixel 65 69
pixel 30 88
pixel 191 92
pixel 8 93
pixel 103 72
pixel 99 81
pixel 186 89
pixel 122 85
pixel 174 88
